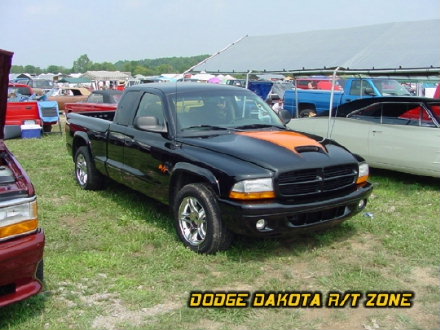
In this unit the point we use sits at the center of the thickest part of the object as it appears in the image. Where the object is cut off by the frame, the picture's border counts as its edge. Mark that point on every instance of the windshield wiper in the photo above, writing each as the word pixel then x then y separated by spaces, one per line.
pixel 256 126
pixel 208 127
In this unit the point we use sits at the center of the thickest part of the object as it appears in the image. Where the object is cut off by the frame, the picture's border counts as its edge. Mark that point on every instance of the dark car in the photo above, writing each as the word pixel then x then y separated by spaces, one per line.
pixel 21 238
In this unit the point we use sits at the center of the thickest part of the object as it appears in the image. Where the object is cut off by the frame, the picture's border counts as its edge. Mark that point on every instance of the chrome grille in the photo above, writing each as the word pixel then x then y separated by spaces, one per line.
pixel 317 180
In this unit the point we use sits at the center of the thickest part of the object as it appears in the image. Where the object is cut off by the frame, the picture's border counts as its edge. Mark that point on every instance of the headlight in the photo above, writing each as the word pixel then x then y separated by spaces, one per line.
pixel 18 219
pixel 363 173
pixel 253 189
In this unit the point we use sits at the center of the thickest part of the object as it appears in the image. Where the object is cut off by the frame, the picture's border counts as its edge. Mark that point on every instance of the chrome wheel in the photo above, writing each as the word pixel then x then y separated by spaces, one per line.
pixel 81 169
pixel 192 220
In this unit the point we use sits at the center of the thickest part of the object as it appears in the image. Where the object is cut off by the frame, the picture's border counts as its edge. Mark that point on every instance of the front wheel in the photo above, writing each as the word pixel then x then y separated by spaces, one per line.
pixel 198 221
pixel 85 171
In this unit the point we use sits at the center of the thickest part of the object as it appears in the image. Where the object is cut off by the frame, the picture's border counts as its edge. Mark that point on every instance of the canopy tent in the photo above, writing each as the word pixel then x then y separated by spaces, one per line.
pixel 72 80
pixel 393 48
pixel 106 75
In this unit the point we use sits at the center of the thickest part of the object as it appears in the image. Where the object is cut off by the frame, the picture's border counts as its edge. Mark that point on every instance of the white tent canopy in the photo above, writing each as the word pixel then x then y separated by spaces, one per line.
pixel 106 75
pixel 406 47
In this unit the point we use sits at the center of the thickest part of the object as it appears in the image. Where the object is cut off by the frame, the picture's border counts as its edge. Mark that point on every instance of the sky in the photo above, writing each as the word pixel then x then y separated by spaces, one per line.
pixel 58 32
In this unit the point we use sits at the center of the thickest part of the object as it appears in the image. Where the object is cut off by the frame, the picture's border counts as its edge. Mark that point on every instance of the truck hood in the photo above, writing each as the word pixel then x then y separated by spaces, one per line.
pixel 275 150
pixel 5 65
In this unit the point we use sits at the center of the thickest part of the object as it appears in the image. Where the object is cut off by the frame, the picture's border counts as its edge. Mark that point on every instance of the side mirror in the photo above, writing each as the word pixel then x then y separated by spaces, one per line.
pixel 149 123
pixel 285 116
pixel 369 91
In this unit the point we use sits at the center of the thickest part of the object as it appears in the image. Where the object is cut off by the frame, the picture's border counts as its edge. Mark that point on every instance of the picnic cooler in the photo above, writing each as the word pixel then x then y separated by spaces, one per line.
pixel 30 131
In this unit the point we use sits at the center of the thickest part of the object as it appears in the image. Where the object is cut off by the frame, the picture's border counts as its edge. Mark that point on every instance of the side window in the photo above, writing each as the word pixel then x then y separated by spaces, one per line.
pixel 95 98
pixel 126 107
pixel 355 87
pixel 371 113
pixel 151 106
pixel 358 87
pixel 415 115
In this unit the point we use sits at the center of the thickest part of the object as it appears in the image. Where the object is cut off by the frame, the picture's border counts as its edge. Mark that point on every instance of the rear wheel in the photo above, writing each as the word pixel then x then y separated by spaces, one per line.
pixel 198 221
pixel 307 113
pixel 85 171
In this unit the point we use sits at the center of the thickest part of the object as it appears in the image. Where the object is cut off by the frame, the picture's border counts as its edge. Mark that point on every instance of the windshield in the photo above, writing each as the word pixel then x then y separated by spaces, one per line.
pixel 390 87
pixel 19 90
pixel 222 109
pixel 44 84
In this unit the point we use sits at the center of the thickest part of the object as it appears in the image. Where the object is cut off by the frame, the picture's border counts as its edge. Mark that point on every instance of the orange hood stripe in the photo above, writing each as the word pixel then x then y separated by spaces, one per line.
pixel 288 140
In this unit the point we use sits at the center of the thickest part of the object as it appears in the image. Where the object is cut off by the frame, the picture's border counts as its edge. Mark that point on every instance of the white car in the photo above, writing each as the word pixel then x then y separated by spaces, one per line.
pixel 394 133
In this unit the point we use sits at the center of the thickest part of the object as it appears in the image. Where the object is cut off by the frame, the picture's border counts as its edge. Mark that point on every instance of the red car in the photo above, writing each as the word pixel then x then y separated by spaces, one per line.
pixel 21 238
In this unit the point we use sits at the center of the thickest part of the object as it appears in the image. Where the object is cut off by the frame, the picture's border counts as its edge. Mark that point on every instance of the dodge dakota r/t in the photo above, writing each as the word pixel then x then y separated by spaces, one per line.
pixel 221 159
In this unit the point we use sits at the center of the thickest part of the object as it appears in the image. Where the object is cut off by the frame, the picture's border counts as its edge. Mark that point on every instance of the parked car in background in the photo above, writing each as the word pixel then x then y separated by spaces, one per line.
pixel 394 133
pixel 43 84
pixel 19 92
pixel 316 102
pixel 103 103
pixel 65 95
pixel 21 239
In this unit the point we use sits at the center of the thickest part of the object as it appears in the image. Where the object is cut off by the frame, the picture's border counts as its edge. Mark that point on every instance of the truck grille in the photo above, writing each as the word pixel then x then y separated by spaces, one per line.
pixel 316 181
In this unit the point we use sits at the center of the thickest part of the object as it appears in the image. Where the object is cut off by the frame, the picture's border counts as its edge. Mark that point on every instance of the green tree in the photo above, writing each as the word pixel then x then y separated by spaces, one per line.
pixel 82 64
pixel 32 69
pixel 17 69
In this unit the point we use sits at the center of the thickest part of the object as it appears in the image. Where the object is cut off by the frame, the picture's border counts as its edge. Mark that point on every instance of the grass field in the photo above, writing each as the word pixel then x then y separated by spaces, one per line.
pixel 113 259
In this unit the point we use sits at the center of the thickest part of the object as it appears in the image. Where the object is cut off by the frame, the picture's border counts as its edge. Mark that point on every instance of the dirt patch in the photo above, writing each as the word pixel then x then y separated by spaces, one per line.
pixel 119 314
pixel 425 276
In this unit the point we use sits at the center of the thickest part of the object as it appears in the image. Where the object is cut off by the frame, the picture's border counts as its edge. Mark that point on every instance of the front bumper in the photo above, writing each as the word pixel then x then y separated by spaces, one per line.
pixel 19 259
pixel 284 219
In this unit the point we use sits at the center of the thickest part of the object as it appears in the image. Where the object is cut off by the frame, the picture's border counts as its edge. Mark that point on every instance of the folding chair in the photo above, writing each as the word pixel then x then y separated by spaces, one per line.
pixel 49 114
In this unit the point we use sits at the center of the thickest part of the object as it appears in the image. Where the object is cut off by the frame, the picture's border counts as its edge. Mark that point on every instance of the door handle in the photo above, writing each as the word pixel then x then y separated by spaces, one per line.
pixel 376 131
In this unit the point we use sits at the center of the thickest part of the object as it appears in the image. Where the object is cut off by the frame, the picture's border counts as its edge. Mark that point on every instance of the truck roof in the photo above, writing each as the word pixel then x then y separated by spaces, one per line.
pixel 170 88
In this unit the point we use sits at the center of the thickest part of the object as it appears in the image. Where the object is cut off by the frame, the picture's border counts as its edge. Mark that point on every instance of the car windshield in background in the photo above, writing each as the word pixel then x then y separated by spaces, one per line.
pixel 389 87
pixel 42 83
pixel 19 90
pixel 116 98
pixel 215 110
pixel 435 110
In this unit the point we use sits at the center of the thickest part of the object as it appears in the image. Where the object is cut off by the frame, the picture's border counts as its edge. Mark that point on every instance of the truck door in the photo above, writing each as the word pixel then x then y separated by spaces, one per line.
pixel 145 151
pixel 117 134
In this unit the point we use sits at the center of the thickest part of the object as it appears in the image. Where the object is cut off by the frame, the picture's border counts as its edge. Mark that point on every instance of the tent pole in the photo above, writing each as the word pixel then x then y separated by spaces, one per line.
pixel 247 78
pixel 214 55
pixel 332 93
pixel 296 99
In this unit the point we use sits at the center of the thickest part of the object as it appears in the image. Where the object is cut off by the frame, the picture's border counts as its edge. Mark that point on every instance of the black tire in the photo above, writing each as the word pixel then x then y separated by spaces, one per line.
pixel 39 274
pixel 198 221
pixel 85 171
pixel 307 113
pixel 47 128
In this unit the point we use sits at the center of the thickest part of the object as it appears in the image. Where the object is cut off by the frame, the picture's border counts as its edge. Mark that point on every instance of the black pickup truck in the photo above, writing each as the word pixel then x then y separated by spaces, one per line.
pixel 221 159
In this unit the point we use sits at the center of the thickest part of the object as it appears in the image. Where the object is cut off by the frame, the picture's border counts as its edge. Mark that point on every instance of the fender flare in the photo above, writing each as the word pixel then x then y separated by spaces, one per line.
pixel 80 136
pixel 203 173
